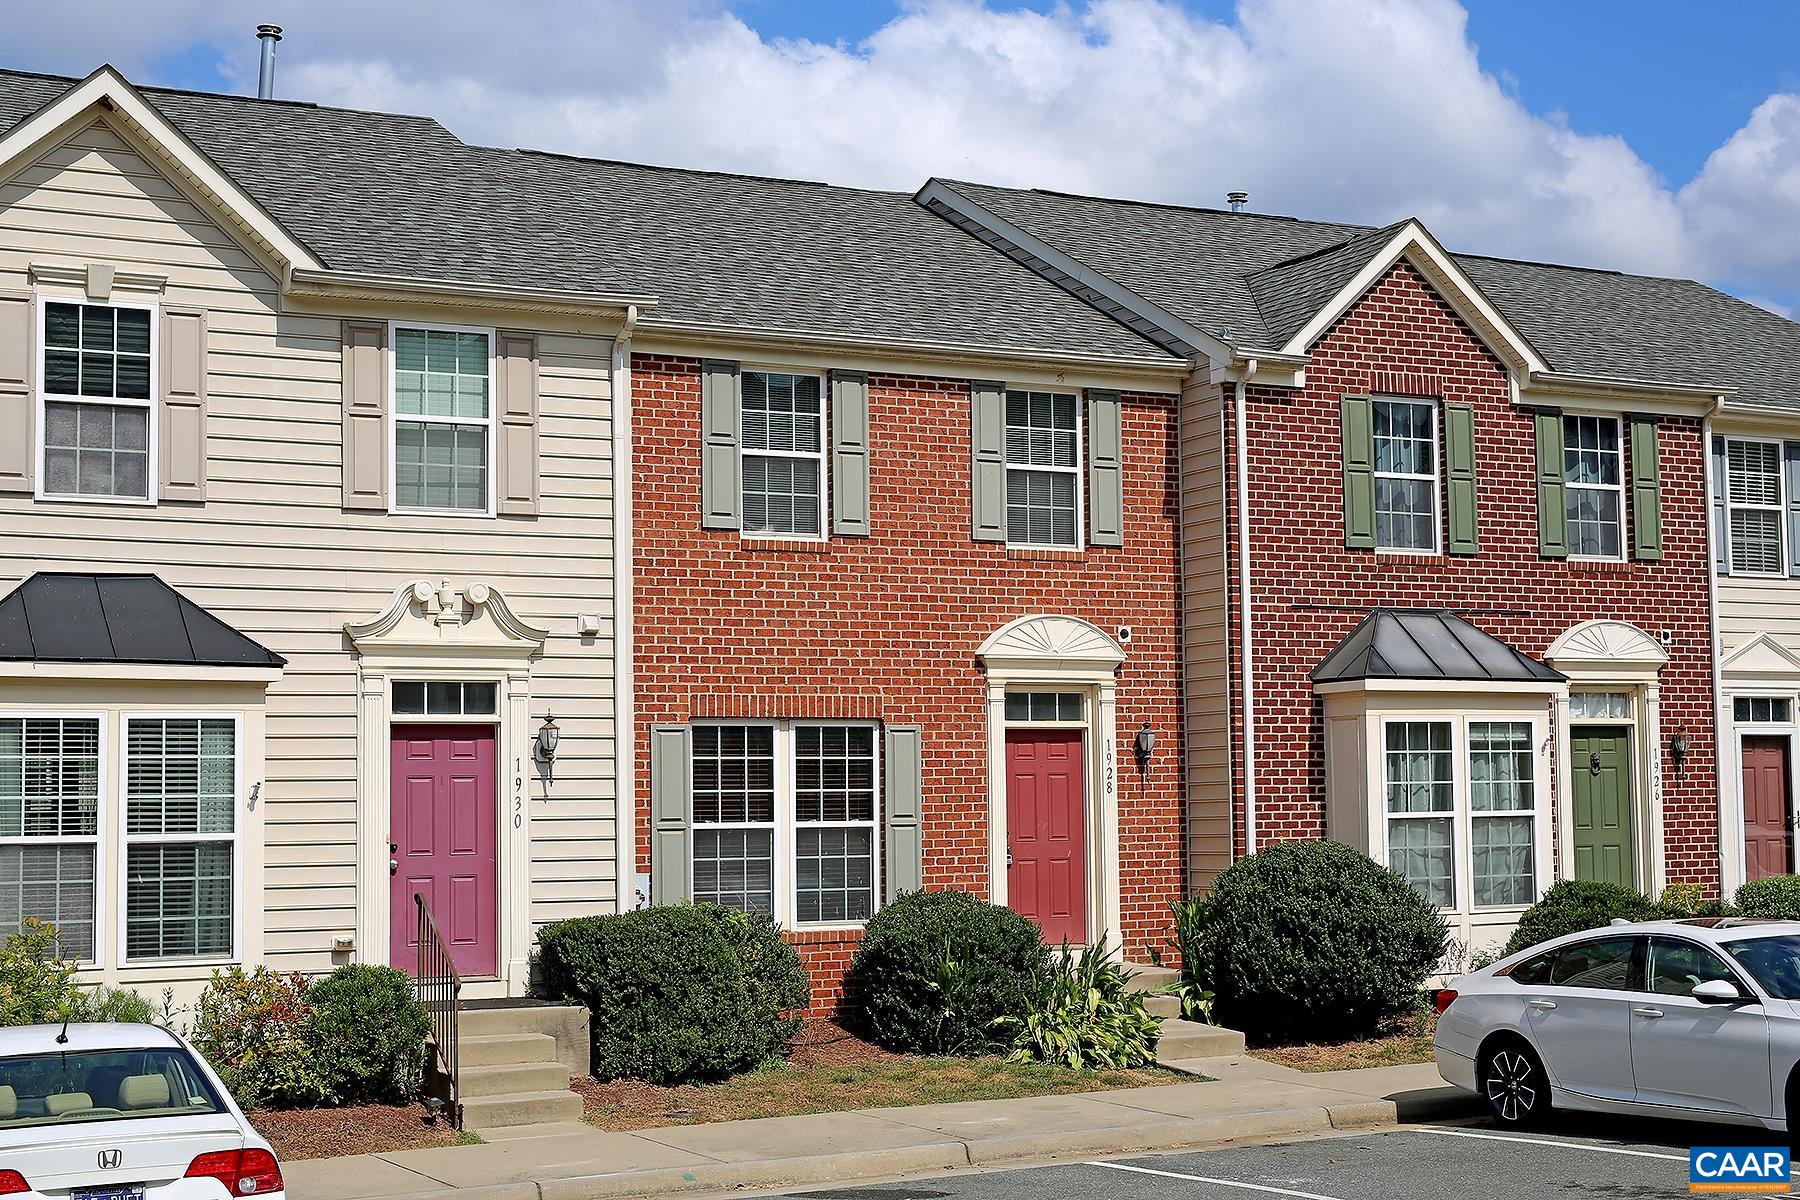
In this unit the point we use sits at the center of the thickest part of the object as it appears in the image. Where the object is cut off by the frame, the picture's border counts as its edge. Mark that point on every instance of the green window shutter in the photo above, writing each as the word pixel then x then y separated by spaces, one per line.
pixel 987 430
pixel 1553 532
pixel 671 820
pixel 904 830
pixel 1646 491
pixel 1459 463
pixel 1106 489
pixel 1359 473
pixel 850 453
pixel 719 423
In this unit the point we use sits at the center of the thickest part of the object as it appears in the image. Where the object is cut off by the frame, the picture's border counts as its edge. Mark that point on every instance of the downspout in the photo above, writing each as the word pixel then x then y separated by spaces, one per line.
pixel 624 709
pixel 1246 664
pixel 1720 766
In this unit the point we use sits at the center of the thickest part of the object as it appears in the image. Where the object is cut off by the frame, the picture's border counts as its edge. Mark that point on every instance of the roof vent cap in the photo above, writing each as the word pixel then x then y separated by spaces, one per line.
pixel 268 35
pixel 1237 200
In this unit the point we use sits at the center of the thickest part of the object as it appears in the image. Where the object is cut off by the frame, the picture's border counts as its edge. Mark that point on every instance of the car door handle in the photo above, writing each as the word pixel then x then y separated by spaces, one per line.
pixel 1544 1005
pixel 1651 1013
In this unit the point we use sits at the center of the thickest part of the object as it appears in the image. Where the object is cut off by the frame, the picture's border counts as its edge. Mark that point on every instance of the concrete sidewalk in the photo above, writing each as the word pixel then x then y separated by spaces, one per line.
pixel 1246 1098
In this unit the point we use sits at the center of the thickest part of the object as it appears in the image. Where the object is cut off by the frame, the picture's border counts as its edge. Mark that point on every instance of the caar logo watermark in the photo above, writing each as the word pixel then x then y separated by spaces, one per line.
pixel 1752 1170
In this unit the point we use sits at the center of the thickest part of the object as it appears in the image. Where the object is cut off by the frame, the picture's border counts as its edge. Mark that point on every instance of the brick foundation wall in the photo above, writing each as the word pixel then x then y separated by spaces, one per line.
pixel 1309 591
pixel 887 626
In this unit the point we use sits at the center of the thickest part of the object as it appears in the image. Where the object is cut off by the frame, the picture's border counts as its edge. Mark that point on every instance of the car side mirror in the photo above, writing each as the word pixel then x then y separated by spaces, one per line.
pixel 1717 991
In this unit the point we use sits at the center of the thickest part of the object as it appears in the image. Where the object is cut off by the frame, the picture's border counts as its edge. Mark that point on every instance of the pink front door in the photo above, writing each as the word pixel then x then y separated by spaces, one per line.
pixel 1768 842
pixel 1046 875
pixel 445 833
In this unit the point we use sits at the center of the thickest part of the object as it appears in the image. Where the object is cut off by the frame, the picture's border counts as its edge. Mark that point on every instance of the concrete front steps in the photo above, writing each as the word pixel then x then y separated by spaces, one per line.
pixel 1180 1039
pixel 516 1062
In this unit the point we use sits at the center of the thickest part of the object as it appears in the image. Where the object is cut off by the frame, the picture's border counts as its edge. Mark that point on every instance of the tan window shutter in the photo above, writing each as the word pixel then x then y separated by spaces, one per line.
pixel 516 364
pixel 18 445
pixel 365 415
pixel 181 425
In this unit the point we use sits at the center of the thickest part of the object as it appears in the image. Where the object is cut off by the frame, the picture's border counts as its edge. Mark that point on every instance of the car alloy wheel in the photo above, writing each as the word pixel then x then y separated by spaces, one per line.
pixel 1513 1088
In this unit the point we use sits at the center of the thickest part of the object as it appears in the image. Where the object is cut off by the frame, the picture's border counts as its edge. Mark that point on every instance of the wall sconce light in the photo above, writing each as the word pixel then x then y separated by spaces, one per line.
pixel 1678 749
pixel 543 750
pixel 1143 746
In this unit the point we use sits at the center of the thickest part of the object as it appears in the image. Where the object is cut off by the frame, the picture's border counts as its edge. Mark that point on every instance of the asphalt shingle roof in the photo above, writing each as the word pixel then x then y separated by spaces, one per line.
pixel 1249 278
pixel 1427 644
pixel 402 195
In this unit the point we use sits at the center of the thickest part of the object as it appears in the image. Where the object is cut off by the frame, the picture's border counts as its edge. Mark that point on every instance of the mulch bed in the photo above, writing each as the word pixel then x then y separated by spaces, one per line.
pixel 1410 1041
pixel 366 1129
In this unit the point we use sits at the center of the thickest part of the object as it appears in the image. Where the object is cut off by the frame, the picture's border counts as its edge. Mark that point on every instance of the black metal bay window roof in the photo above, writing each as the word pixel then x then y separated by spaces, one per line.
pixel 66 617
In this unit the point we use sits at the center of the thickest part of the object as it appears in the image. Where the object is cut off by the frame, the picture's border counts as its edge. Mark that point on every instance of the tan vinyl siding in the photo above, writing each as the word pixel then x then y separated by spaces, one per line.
pixel 1205 633
pixel 1749 606
pixel 273 553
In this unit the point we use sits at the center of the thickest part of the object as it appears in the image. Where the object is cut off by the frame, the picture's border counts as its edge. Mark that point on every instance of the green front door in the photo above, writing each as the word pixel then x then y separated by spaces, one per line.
pixel 1600 763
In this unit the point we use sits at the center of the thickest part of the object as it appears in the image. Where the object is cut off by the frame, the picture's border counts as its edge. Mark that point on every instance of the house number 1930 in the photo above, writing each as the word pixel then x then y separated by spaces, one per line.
pixel 518 797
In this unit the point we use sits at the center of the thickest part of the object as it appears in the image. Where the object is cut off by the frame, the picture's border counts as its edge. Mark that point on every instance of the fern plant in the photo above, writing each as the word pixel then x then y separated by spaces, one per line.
pixel 1086 1019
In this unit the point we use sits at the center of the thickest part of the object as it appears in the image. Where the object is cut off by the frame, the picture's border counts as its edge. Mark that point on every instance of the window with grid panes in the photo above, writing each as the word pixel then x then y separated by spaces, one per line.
pixel 1502 801
pixel 1406 483
pixel 1762 710
pixel 442 419
pixel 783 443
pixel 180 833
pixel 1043 476
pixel 734 816
pixel 834 822
pixel 1421 803
pixel 1756 513
pixel 49 826
pixel 97 400
pixel 1594 486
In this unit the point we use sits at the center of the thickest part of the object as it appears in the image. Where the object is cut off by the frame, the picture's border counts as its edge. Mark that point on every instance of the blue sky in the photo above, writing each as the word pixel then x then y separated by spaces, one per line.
pixel 1653 135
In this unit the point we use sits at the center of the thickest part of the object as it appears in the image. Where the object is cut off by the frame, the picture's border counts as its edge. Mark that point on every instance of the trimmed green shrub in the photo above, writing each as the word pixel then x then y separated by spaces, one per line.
pixel 1776 897
pixel 678 992
pixel 1086 1018
pixel 936 970
pixel 1315 941
pixel 256 1031
pixel 1577 904
pixel 37 985
pixel 368 1031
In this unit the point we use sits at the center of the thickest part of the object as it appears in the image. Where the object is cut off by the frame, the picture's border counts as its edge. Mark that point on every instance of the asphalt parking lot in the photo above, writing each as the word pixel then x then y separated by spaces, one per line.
pixel 1573 1158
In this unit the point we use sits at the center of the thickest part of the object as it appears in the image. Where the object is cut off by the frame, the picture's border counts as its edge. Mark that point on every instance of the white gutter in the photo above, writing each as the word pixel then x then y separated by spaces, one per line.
pixel 1246 665
pixel 1730 840
pixel 624 709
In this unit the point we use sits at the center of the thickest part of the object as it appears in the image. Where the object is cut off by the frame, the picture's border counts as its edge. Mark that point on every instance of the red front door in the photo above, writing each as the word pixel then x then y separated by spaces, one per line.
pixel 1768 842
pixel 1046 875
pixel 442 796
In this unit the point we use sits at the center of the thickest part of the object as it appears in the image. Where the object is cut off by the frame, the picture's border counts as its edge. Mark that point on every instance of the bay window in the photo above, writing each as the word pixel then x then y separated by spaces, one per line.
pixel 50 826
pixel 180 825
pixel 785 819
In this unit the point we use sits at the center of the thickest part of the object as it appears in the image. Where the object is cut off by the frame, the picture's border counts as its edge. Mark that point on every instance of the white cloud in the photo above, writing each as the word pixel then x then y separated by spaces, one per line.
pixel 1360 112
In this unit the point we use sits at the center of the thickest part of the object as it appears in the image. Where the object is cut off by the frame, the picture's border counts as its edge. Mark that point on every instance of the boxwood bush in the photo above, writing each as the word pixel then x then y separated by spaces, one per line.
pixel 936 970
pixel 1577 904
pixel 1777 897
pixel 369 1031
pixel 681 992
pixel 1315 941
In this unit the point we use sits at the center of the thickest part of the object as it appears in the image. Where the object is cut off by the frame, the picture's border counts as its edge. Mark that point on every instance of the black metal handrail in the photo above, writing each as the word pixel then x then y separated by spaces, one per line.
pixel 439 989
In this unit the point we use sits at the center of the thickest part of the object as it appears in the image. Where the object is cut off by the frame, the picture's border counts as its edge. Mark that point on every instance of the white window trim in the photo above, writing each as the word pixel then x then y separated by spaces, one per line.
pixel 1462 814
pixel 1078 470
pixel 498 682
pixel 1080 722
pixel 1435 478
pixel 1618 424
pixel 785 843
pixel 153 405
pixel 101 812
pixel 822 456
pixel 490 423
pixel 1754 726
pixel 235 838
pixel 1779 508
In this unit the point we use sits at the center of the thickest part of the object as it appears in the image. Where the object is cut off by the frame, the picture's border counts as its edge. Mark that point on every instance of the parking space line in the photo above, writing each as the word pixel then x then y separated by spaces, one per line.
pixel 1531 1141
pixel 1231 1183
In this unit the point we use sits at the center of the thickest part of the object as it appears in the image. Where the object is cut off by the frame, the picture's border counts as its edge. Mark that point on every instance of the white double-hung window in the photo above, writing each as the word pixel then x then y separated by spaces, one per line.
pixel 443 419
pixel 1756 509
pixel 1406 475
pixel 1043 474
pixel 50 784
pixel 783 449
pixel 1464 822
pixel 1594 486
pixel 98 411
pixel 786 819
pixel 181 787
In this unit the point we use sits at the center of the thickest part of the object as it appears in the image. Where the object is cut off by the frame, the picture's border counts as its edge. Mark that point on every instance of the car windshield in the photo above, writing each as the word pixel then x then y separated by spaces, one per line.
pixel 1774 962
pixel 102 1085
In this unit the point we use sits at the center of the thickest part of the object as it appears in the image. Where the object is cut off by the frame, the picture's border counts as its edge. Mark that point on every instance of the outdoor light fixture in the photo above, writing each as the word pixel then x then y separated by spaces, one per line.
pixel 544 751
pixel 1143 745
pixel 1678 749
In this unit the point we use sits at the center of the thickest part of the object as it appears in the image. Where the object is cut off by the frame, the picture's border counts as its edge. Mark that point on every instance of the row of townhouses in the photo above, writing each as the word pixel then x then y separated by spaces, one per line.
pixel 386 516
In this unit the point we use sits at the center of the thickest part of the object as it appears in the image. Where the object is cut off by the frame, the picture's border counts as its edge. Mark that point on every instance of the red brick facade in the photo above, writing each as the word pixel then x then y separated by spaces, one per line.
pixel 1309 591
pixel 887 626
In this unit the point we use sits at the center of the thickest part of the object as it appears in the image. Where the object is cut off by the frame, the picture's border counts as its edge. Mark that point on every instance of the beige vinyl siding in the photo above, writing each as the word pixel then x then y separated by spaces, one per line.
pixel 1205 633
pixel 1749 606
pixel 273 553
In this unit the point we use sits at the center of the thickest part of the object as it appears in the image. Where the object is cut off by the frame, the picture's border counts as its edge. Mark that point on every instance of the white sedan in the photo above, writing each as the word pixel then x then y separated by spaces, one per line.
pixel 1691 1019
pixel 122 1112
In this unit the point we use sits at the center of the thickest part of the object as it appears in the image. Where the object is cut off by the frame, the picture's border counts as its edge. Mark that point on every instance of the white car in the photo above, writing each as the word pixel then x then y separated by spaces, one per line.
pixel 122 1112
pixel 1691 1019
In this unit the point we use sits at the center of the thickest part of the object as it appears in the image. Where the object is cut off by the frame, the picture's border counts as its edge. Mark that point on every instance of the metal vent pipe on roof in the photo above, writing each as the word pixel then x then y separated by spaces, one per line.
pixel 1237 200
pixel 268 35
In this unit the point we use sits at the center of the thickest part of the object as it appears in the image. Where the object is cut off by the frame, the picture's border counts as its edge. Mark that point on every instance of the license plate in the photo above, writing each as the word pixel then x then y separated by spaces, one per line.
pixel 124 1191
